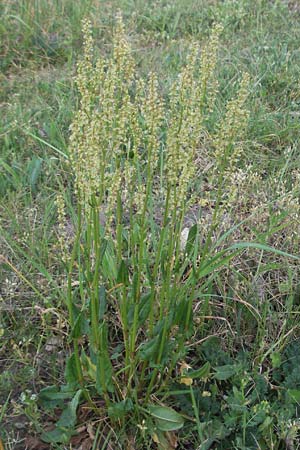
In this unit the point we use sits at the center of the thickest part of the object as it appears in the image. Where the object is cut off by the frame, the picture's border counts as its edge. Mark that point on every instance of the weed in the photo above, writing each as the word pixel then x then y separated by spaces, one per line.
pixel 240 391
pixel 136 280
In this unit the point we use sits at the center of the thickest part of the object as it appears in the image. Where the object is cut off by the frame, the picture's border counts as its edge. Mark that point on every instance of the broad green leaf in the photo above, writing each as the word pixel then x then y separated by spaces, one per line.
pixel 53 397
pixel 104 380
pixel 144 310
pixel 104 370
pixel 71 375
pixel 225 372
pixel 69 415
pixel 266 423
pixel 58 436
pixel 166 419
pixel 109 264
pixel 130 314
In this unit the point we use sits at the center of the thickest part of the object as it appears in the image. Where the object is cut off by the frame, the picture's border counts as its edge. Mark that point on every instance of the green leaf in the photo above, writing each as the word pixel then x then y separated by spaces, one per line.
pixel 57 436
pixel 53 397
pixel 78 327
pixel 134 284
pixel 276 360
pixel 69 415
pixel 203 372
pixel 104 370
pixel 294 394
pixel 144 308
pixel 88 366
pixel 120 409
pixel 215 263
pixel 11 176
pixel 206 445
pixel 130 314
pixel 191 239
pixel 123 275
pixel 109 264
pixel 60 152
pixel 34 169
pixel 181 313
pixel 225 372
pixel 266 424
pixel 149 349
pixel 103 246
pixel 266 248
pixel 71 375
pixel 102 302
pixel 104 374
pixel 167 419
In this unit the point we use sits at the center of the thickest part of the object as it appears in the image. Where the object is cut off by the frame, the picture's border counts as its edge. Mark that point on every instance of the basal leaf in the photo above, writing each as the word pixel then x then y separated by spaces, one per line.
pixel 53 397
pixel 166 419
pixel 57 436
pixel 69 414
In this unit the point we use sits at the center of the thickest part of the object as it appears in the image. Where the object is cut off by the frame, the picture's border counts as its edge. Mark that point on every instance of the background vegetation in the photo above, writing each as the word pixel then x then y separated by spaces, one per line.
pixel 246 323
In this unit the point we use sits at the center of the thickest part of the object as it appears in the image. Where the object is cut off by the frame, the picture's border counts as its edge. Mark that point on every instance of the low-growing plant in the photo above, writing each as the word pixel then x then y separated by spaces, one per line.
pixel 134 268
pixel 242 408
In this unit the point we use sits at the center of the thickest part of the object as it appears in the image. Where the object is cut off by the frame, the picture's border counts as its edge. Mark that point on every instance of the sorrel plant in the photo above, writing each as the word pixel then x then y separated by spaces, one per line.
pixel 134 272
